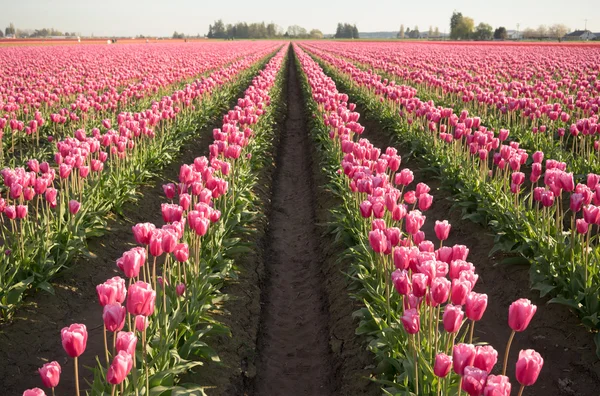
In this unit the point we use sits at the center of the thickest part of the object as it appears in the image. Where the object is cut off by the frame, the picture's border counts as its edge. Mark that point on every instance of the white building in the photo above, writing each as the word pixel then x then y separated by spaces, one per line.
pixel 580 35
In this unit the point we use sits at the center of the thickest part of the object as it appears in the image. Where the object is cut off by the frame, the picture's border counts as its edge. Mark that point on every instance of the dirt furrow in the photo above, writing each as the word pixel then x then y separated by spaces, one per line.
pixel 294 353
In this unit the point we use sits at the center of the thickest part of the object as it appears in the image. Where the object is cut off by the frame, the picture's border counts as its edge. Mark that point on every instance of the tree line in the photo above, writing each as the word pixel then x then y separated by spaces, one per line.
pixel 258 30
pixel 10 30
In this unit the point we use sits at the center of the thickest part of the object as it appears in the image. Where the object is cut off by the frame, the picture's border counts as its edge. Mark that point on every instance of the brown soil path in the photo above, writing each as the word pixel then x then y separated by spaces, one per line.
pixel 295 357
pixel 570 365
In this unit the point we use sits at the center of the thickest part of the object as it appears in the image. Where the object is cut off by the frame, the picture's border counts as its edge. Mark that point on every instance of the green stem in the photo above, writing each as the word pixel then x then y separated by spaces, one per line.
pixel 512 335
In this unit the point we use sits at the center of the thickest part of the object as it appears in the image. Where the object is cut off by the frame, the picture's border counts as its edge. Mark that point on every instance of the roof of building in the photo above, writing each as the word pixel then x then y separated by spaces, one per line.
pixel 577 33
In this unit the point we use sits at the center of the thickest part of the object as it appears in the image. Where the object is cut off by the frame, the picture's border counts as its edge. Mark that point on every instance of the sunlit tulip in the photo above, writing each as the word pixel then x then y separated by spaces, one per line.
pixel 50 374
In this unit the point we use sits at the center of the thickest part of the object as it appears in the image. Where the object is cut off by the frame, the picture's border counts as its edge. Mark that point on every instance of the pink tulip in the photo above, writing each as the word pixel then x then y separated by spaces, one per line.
pixel 425 201
pixel 34 392
pixel 141 323
pixel 126 341
pixel 141 299
pixel 411 321
pixel 582 226
pixel 414 221
pixel 21 211
pixel 405 177
pixel 460 291
pixel 419 284
pixel 528 368
pixel 463 355
pixel 401 282
pixel 378 241
pixel 120 368
pixel 440 289
pixel 442 366
pixel 155 243
pixel 114 317
pixel 74 206
pixel 442 230
pixel 520 314
pixel 452 319
pixel 181 252
pixel 180 289
pixel 74 339
pixel 474 380
pixel 50 374
pixel 485 358
pixel 475 305
pixel 131 262
pixel 112 291
pixel 142 232
pixel 497 385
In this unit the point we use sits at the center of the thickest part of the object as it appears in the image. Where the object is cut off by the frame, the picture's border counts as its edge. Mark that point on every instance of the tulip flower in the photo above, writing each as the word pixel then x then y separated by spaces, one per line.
pixel 452 318
pixel 528 368
pixel 442 366
pixel 497 385
pixel 411 321
pixel 473 380
pixel 112 291
pixel 440 289
pixel 120 368
pixel 485 358
pixel 74 206
pixel 141 323
pixel 442 230
pixel 141 299
pixel 180 289
pixel 74 341
pixel 34 392
pixel 419 284
pixel 520 314
pixel 50 374
pixel 126 341
pixel 463 355
pixel 401 282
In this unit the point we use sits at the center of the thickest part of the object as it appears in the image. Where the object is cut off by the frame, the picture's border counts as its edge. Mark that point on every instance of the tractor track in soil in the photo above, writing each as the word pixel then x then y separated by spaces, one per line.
pixel 293 343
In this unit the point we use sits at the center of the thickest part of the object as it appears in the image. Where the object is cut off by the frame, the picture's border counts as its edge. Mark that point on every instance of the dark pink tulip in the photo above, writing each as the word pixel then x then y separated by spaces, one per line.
pixel 171 212
pixel 155 243
pixel 74 206
pixel 411 321
pixel 112 291
pixel 421 189
pixel 169 190
pixel 497 385
pixel 120 368
pixel 473 380
pixel 131 261
pixel 214 215
pixel 591 214
pixel 440 290
pixel 141 323
pixel 460 290
pixel 142 232
pixel 582 226
pixel 404 178
pixel 528 368
pixel 442 229
pixel 576 202
pixel 419 284
pixel 180 289
pixel 50 374
pixel 538 157
pixel 593 180
pixel 401 282
pixel 34 392
pixel 114 317
pixel 425 201
pixel 21 211
pixel 410 197
pixel 463 355
pixel 378 241
pixel 11 212
pixel 452 319
pixel 442 366
pixel 459 252
pixel 520 314
pixel 141 299
pixel 547 198
pixel 126 341
pixel 181 252
pixel 74 339
pixel 185 200
pixel 475 305
pixel 485 358
pixel 51 196
pixel 414 221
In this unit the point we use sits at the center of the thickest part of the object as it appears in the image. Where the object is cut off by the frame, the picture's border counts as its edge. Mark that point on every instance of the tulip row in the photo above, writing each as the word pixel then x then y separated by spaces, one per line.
pixel 191 252
pixel 486 176
pixel 417 318
pixel 554 114
pixel 54 105
pixel 49 218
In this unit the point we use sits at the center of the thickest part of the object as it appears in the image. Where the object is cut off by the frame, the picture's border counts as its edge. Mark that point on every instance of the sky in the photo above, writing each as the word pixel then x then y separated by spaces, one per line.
pixel 162 17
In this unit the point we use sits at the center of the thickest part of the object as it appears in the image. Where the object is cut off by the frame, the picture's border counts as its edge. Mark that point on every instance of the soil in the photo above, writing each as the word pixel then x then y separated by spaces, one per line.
pixel 32 338
pixel 570 363
pixel 294 355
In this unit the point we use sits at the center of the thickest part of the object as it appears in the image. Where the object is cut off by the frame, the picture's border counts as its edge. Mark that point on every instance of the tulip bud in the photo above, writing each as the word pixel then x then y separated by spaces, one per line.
pixel 126 341
pixel 74 206
pixel 520 314
pixel 401 282
pixel 452 319
pixel 141 299
pixel 475 305
pixel 485 358
pixel 442 366
pixel 442 229
pixel 141 323
pixel 114 317
pixel 74 339
pixel 50 374
pixel 528 368
pixel 120 368
pixel 180 289
pixel 463 355
pixel 411 321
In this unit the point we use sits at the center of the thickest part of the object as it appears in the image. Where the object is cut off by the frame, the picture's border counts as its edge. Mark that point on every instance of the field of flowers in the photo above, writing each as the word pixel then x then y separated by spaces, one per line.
pixel 499 140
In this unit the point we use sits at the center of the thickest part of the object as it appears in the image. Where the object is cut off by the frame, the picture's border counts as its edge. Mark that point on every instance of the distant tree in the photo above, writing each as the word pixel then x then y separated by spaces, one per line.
pixel 455 20
pixel 10 30
pixel 217 30
pixel 464 29
pixel 1 33
pixel 407 32
pixel 316 34
pixel 542 32
pixel 558 31
pixel 483 32
pixel 530 33
pixel 355 34
pixel 346 30
pixel 415 34
pixel 178 35
pixel 500 33
pixel 400 34
pixel 436 32
pixel 430 32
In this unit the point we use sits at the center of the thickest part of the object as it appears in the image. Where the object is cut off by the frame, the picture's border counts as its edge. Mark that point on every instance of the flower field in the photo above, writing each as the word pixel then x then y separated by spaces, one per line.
pixel 318 217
